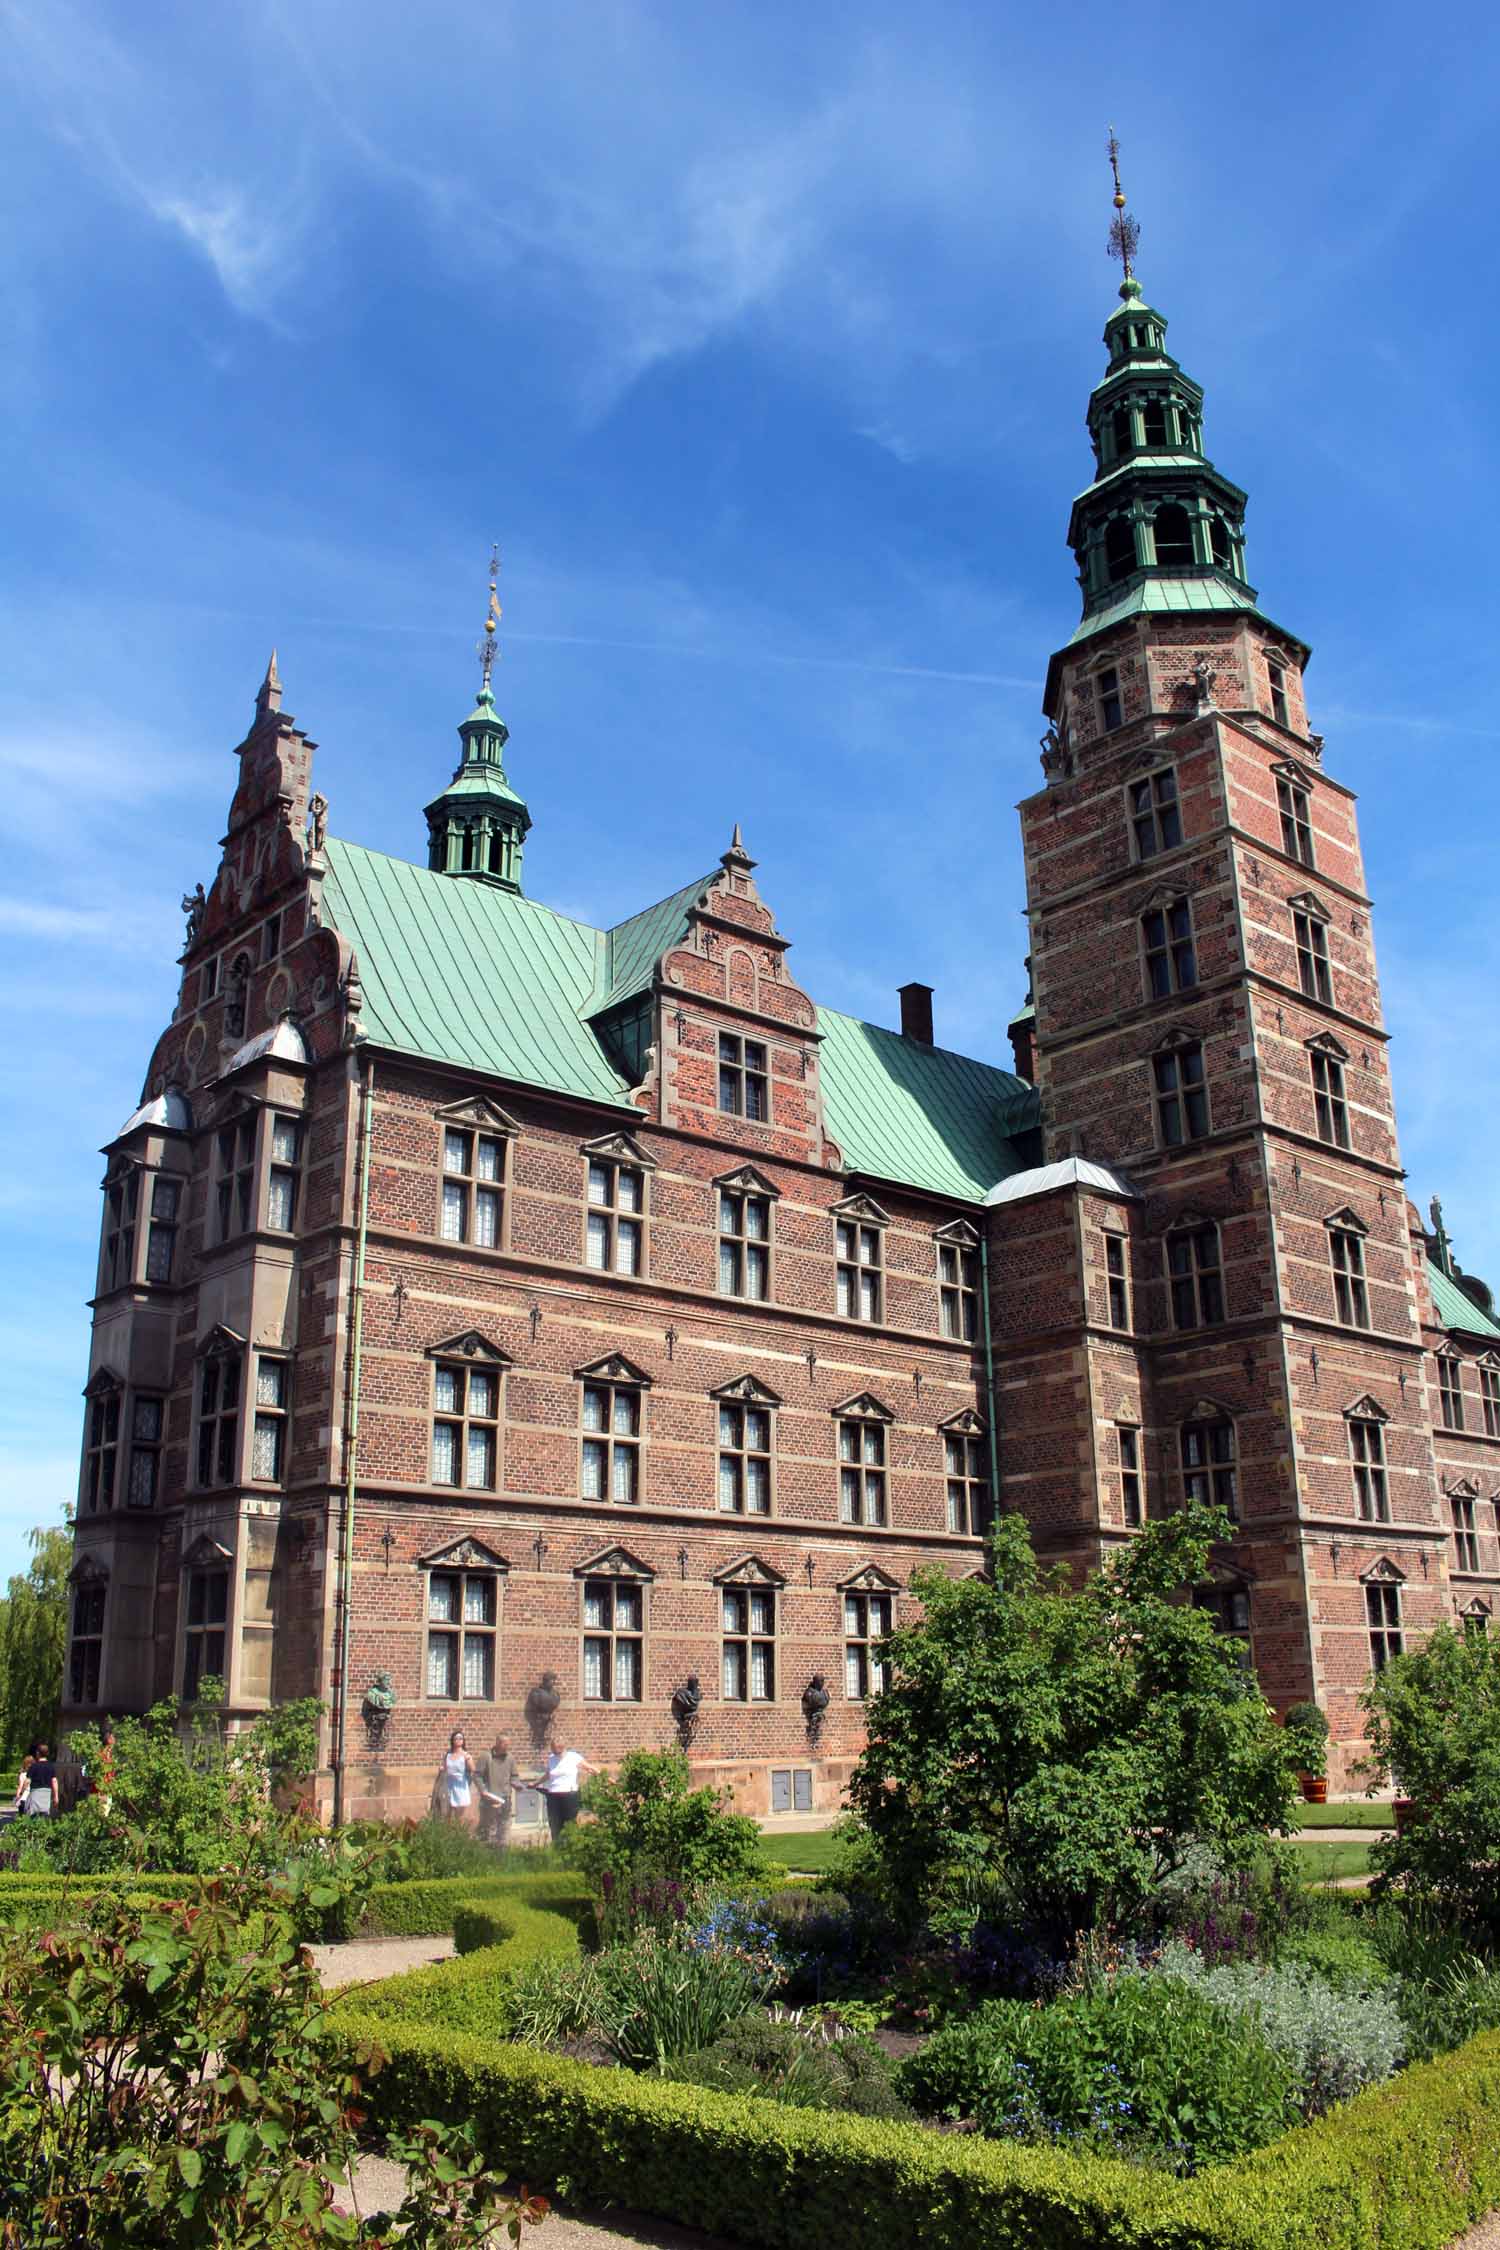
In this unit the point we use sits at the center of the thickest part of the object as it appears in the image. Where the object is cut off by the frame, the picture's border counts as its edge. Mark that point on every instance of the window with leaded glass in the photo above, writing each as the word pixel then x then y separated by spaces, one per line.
pixel 1372 1502
pixel 1294 806
pixel 1196 1277
pixel 218 1418
pixel 121 1204
pixel 1489 1392
pixel 1313 973
pixel 1351 1297
pixel 1465 1533
pixel 473 1177
pixel 101 1452
pixel 611 1442
pixel 268 1432
pixel 867 1628
pixel 161 1234
pixel 1117 1281
pixel 1330 1103
pixel 744 1084
pixel 749 1644
pixel 1171 963
pixel 86 1655
pixel 1229 1607
pixel 1450 1391
pixel 1132 1480
pixel 860 1261
pixel 744 1244
pixel 964 1468
pixel 283 1174
pixel 958 1287
pixel 234 1184
pixel 203 1633
pixel 1276 678
pixel 614 1625
pixel 465 1425
pixel 1210 1472
pixel 616 1217
pixel 1383 1616
pixel 861 1470
pixel 463 1608
pixel 147 1418
pixel 1181 1095
pixel 744 1459
pixel 1155 816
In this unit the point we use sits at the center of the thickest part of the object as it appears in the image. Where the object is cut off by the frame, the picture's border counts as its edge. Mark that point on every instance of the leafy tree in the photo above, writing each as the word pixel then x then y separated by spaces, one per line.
pixel 33 1638
pixel 1433 1717
pixel 647 1821
pixel 1066 1747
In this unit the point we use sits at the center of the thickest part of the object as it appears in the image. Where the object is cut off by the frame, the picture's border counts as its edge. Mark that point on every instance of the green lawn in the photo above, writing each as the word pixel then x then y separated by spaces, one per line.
pixel 811 1852
pixel 1322 1863
pixel 807 1852
pixel 1360 1815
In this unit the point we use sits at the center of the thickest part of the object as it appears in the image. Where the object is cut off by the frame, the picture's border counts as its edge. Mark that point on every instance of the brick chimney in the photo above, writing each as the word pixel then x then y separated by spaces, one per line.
pixel 916 1012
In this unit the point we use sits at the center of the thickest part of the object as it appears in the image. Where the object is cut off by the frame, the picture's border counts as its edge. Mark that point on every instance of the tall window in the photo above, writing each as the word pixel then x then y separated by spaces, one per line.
pixel 1330 1103
pixel 958 1287
pixel 1120 557
pixel 1489 1392
pixel 218 1419
pixel 473 1173
pixel 281 1182
pixel 1229 1607
pixel 867 1627
pixel 1372 1501
pixel 88 1644
pixel 749 1644
pixel 964 1467
pixel 1277 678
pixel 1312 958
pixel 859 1270
pixel 1465 1534
pixel 146 1420
pixel 1351 1299
pixel 268 1438
pixel 1117 1280
pixel 744 1459
pixel 1196 1277
pixel 1450 1390
pixel 270 936
pixel 465 1425
pixel 161 1234
pixel 1132 1486
pixel 122 1201
pixel 862 1471
pixel 1111 708
pixel 234 1191
pixel 1296 821
pixel 1383 1615
pixel 616 1229
pixel 1171 964
pixel 101 1453
pixel 613 1641
pixel 1209 1470
pixel 462 1610
pixel 744 1086
pixel 1155 817
pixel 1173 534
pixel 612 1442
pixel 203 1636
pixel 744 1244
pixel 1181 1095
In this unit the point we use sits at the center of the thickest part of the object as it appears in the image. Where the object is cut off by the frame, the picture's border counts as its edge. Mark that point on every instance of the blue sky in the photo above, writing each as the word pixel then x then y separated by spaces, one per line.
pixel 760 336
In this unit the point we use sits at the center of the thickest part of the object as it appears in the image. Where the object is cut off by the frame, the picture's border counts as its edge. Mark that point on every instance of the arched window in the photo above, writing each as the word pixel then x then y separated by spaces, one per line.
pixel 1174 537
pixel 1119 549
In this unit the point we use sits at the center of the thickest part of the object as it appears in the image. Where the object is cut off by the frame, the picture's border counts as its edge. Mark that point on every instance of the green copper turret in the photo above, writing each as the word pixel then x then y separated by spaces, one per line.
pixel 478 825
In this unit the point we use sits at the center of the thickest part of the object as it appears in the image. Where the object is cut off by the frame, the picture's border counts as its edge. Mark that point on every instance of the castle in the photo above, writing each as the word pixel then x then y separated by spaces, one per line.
pixel 507 1323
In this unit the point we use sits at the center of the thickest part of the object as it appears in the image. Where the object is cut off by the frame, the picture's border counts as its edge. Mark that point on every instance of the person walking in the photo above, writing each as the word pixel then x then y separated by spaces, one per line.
pixel 495 1778
pixel 38 1793
pixel 561 1786
pixel 453 1790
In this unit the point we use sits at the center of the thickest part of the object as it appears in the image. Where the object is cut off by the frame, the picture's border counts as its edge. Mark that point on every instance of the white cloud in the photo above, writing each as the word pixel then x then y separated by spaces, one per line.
pixel 248 249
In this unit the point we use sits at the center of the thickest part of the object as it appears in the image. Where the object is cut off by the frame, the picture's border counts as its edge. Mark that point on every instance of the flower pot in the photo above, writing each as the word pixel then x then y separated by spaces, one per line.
pixel 1404 1809
pixel 1314 1788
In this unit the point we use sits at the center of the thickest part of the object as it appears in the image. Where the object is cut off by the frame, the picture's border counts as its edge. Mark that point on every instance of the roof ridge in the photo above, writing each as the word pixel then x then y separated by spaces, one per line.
pixel 490 890
pixel 923 1047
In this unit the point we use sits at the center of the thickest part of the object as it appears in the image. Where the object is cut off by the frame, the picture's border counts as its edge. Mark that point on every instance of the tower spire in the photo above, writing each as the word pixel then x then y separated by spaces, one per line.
pixel 1124 231
pixel 478 825
pixel 489 647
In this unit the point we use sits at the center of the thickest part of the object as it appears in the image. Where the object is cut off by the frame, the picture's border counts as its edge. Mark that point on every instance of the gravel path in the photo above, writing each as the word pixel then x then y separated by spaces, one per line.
pixel 366 1960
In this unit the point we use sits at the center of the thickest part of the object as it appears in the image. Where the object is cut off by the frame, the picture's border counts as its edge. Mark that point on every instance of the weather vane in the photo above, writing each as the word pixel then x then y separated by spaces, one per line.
pixel 489 646
pixel 1124 231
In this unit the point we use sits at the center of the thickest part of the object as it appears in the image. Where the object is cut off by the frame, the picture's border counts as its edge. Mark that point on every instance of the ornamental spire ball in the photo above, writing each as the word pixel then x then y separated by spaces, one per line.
pixel 1124 231
pixel 488 647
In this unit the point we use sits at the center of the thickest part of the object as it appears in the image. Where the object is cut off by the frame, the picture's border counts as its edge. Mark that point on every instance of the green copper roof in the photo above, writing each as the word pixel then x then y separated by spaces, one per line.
pixel 1162 594
pixel 484 979
pixel 904 1112
pixel 1456 1309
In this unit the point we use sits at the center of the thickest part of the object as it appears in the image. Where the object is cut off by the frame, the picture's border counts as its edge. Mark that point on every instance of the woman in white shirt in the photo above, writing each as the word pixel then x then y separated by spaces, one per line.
pixel 453 1790
pixel 561 1785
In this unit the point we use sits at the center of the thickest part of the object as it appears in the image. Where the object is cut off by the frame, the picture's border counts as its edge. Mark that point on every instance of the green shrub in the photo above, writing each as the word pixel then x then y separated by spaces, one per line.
pixel 422 1850
pixel 1138 2063
pixel 1433 1717
pixel 1462 2000
pixel 1337 2037
pixel 476 1927
pixel 427 1908
pixel 808 2064
pixel 647 1821
pixel 661 1997
pixel 476 1990
pixel 1341 1956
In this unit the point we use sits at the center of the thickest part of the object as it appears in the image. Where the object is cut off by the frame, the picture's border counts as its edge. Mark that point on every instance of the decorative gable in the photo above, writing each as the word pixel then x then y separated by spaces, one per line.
pixel 747 1181
pixel 482 1115
pixel 1366 1409
pixel 207 1554
pixel 1478 1607
pixel 1176 1035
pixel 862 1208
pixel 1325 1043
pixel 1462 1488
pixel 1383 1573
pixel 871 1580
pixel 959 1232
pixel 748 1391
pixel 619 1148
pixel 464 1554
pixel 103 1383
pixel 616 1562
pixel 1349 1222
pixel 749 1571
pixel 966 1424
pixel 470 1343
pixel 866 1407
pixel 219 1342
pixel 89 1571
pixel 1209 1410
pixel 1305 902
pixel 1287 769
pixel 616 1368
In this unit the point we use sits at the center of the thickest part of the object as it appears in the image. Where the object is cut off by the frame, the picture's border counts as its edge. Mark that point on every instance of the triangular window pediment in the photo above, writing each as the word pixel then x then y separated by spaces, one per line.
pixel 864 1406
pixel 1177 1035
pixel 103 1383
pixel 1305 902
pixel 1490 1359
pixel 1287 769
pixel 1325 1043
pixel 121 1169
pixel 1383 1573
pixel 750 1570
pixel 464 1554
pixel 483 1115
pixel 89 1571
pixel 1148 761
pixel 748 1390
pixel 1462 1488
pixel 1229 1577
pixel 207 1554
pixel 958 1232
pixel 1160 895
pixel 619 1148
pixel 1366 1409
pixel 1346 1221
pixel 616 1562
pixel 1449 1352
pixel 220 1342
pixel 1475 1608
pixel 863 1208
pixel 747 1181
pixel 1208 1410
pixel 614 1368
pixel 871 1580
pixel 230 1108
pixel 1191 1217
pixel 470 1343
pixel 965 1424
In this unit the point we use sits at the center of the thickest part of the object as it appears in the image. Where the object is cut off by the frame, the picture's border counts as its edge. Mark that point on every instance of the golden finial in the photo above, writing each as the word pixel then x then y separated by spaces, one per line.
pixel 489 646
pixel 1124 231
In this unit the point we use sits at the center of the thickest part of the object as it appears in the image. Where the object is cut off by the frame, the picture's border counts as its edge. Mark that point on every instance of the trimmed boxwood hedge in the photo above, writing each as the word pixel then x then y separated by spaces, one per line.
pixel 472 1992
pixel 38 1901
pixel 426 1908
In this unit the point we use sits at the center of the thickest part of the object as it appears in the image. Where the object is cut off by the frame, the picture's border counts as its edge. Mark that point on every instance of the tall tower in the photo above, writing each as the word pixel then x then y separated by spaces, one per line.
pixel 478 826
pixel 1209 1028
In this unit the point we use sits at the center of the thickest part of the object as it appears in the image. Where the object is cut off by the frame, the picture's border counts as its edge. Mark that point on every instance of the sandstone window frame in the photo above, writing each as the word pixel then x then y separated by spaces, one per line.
pixel 745 1448
pixel 88 1617
pixel 148 1429
pixel 617 1213
pixel 615 1589
pixel 118 1235
pixel 859 1229
pixel 612 1431
pixel 1385 1623
pixel 1153 813
pixel 270 1418
pixel 1169 947
pixel 1129 1441
pixel 236 1144
pixel 1193 1258
pixel 1276 682
pixel 1209 1454
pixel 1228 1600
pixel 966 1471
pixel 744 1202
pixel 750 1627
pixel 1330 1091
pixel 1450 1375
pixel 219 1406
pixel 104 1440
pixel 1117 1280
pixel 285 1136
pixel 1109 699
pixel 1294 813
pixel 1489 1393
pixel 463 1623
pixel 474 1166
pixel 1346 1257
pixel 473 1423
pixel 958 1275
pixel 1179 1089
pixel 1463 1500
pixel 867 1619
pixel 863 1424
pixel 206 1617
pixel 163 1217
pixel 1310 919
pixel 744 1077
pixel 1366 1422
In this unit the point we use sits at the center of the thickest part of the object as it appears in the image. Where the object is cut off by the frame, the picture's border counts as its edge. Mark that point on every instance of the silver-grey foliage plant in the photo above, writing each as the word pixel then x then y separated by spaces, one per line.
pixel 1337 2037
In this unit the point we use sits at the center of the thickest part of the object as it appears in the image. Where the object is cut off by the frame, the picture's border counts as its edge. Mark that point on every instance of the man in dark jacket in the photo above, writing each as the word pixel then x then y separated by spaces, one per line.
pixel 495 1773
